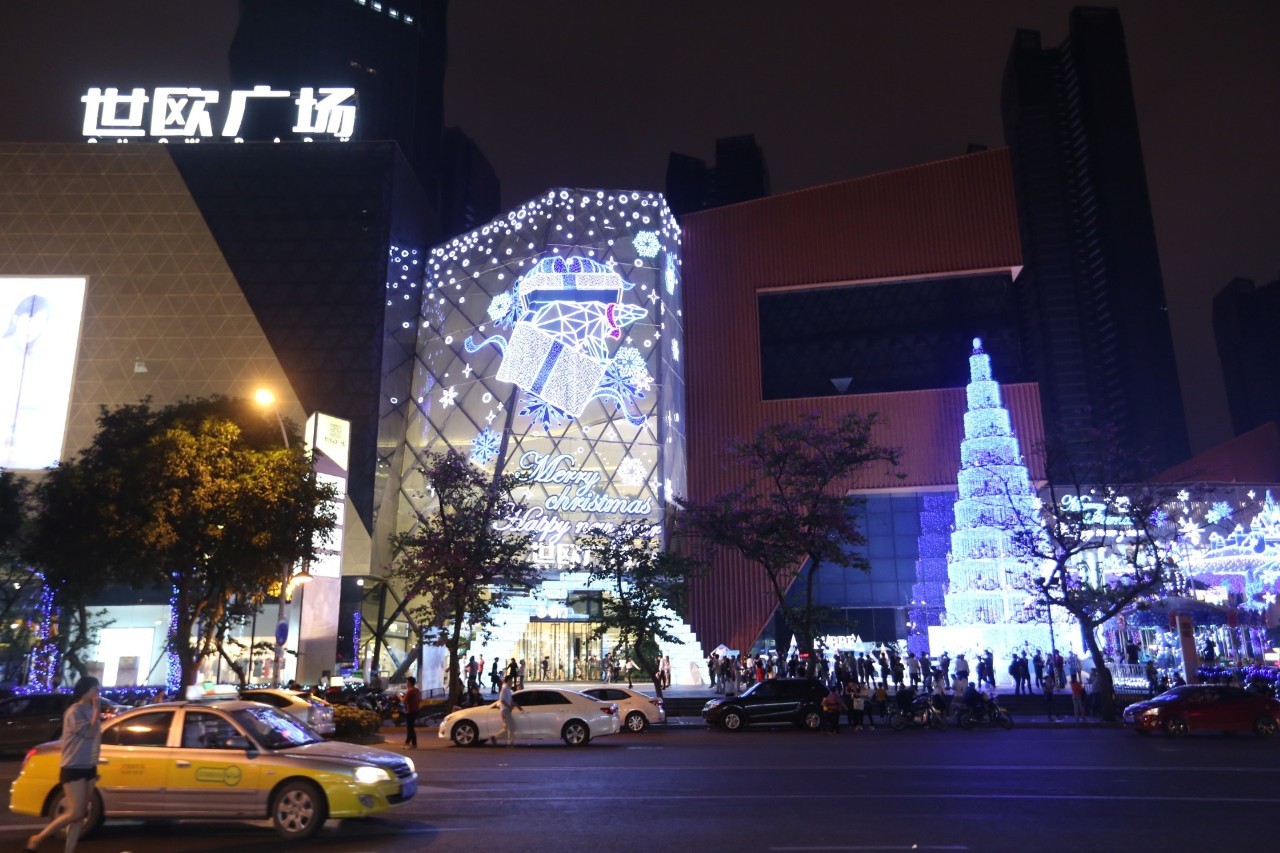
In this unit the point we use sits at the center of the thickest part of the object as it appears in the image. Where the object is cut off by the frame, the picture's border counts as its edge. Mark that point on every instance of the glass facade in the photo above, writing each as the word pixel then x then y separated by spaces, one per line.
pixel 549 342
pixel 874 605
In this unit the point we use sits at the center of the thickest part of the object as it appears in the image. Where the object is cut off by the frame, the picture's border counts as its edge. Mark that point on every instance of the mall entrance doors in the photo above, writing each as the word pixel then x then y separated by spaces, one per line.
pixel 565 645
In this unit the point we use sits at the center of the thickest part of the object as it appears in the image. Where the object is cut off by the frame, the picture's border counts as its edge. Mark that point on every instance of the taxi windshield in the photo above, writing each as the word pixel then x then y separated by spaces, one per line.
pixel 274 729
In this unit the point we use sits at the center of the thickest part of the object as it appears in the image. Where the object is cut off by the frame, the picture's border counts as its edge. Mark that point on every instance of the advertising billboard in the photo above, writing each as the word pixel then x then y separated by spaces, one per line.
pixel 39 337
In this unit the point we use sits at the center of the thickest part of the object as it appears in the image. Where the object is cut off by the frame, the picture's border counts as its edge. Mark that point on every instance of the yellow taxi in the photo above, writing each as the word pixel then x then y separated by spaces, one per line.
pixel 228 759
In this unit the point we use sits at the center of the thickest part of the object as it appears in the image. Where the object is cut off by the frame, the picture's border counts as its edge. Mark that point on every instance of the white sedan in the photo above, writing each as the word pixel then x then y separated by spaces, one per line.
pixel 540 713
pixel 636 710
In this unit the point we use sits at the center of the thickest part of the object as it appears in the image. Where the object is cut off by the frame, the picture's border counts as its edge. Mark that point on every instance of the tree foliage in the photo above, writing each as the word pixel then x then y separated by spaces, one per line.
pixel 198 498
pixel 19 582
pixel 1101 537
pixel 794 511
pixel 646 586
pixel 457 559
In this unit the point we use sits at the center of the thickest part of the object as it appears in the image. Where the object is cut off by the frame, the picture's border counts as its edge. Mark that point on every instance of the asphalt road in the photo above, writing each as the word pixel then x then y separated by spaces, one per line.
pixel 787 790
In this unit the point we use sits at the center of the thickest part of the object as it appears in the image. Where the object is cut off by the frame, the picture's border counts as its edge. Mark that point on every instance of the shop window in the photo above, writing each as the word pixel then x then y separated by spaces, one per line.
pixel 140 730
pixel 586 603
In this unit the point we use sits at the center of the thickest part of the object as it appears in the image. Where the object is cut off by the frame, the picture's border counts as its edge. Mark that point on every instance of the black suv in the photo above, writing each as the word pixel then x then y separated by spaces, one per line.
pixel 781 700
pixel 33 718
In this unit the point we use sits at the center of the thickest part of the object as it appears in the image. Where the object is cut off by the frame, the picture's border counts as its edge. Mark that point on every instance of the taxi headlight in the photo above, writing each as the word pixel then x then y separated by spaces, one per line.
pixel 413 768
pixel 371 775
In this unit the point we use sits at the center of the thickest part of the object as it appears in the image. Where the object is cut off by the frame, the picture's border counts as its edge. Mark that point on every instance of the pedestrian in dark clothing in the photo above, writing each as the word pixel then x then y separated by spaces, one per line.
pixel 1038 662
pixel 831 711
pixel 1048 695
pixel 412 702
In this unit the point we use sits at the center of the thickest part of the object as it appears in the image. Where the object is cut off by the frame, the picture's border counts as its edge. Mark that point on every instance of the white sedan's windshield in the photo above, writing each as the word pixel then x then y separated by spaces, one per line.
pixel 275 730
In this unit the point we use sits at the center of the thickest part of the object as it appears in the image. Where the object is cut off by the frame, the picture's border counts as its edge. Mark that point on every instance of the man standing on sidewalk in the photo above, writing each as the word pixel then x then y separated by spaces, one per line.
pixel 412 702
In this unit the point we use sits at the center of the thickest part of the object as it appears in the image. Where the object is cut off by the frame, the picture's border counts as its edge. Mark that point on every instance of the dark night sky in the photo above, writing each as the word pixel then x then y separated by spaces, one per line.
pixel 591 93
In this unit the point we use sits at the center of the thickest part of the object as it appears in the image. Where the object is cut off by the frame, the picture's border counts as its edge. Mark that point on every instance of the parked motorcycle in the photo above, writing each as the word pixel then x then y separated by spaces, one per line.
pixel 921 714
pixel 989 712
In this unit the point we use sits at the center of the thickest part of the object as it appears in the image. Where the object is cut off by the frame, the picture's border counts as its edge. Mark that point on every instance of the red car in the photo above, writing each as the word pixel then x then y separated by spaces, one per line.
pixel 1206 708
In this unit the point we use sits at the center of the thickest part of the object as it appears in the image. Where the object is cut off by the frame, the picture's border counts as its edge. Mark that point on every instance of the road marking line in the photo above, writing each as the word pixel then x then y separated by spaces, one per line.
pixel 884 796
pixel 882 847
pixel 1002 768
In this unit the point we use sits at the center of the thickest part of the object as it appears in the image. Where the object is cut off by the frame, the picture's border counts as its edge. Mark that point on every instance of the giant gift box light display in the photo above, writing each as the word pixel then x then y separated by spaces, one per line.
pixel 550 344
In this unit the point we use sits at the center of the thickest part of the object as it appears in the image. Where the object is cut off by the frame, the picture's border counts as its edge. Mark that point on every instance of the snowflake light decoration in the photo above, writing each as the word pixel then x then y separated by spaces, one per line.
pixel 503 309
pixel 631 472
pixel 542 413
pixel 646 243
pixel 670 277
pixel 1218 512
pixel 1190 531
pixel 484 447
pixel 675 350
pixel 629 362
pixel 1159 518
pixel 448 397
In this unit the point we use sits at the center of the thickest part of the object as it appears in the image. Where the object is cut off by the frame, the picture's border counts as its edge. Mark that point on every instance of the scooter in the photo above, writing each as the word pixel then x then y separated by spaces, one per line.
pixel 922 714
pixel 990 712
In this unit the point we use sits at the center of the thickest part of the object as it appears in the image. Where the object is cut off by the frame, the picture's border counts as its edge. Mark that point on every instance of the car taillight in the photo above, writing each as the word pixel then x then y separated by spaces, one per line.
pixel 31 752
pixel 609 709
pixel 657 702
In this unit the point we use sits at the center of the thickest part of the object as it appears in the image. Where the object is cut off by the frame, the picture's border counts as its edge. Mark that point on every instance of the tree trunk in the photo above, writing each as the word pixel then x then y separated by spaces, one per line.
pixel 455 669
pixel 1106 684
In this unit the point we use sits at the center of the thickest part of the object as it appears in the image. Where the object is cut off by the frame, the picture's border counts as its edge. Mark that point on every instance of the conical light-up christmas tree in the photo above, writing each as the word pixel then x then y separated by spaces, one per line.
pixel 986 603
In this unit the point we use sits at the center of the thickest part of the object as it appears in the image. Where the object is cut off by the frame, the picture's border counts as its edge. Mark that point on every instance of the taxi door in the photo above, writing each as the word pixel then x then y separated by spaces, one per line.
pixel 133 765
pixel 209 775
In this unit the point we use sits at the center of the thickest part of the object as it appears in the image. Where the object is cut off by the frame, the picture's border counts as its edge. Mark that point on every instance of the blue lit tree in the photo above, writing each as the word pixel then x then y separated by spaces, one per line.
pixel 1102 536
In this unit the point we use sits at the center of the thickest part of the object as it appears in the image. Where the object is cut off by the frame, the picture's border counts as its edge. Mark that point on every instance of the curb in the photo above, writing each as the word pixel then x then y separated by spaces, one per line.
pixel 697 722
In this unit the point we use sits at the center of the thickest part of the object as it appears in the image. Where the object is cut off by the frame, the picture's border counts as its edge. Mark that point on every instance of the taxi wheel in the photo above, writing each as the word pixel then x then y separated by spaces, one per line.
pixel 1265 727
pixel 1175 727
pixel 732 721
pixel 575 733
pixel 298 810
pixel 636 722
pixel 812 721
pixel 465 733
pixel 58 805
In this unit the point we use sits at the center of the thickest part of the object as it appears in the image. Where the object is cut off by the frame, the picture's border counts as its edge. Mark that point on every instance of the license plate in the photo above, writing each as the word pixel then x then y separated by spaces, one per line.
pixel 408 789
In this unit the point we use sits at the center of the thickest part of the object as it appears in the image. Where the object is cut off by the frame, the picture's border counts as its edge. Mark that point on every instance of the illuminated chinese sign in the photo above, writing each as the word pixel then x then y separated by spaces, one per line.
pixel 178 111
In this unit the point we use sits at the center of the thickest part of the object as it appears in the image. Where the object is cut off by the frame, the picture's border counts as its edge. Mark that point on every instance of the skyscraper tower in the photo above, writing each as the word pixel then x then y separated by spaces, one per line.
pixel 740 174
pixel 392 52
pixel 1092 302
pixel 1245 318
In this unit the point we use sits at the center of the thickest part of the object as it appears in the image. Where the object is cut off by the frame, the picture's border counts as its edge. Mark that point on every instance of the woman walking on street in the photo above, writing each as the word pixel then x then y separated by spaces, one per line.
pixel 81 741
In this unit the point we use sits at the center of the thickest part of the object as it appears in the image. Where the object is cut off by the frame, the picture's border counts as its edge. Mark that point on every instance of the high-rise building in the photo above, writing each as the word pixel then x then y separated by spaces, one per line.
pixel 392 53
pixel 470 194
pixel 1245 318
pixel 1091 296
pixel 740 174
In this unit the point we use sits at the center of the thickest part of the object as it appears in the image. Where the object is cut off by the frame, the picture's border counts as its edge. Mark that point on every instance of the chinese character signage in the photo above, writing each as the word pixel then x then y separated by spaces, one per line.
pixel 193 113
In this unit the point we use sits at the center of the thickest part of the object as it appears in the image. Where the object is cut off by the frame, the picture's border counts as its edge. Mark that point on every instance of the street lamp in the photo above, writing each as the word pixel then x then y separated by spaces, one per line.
pixel 263 397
